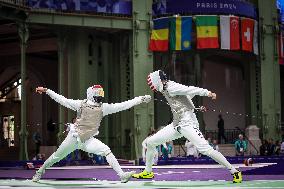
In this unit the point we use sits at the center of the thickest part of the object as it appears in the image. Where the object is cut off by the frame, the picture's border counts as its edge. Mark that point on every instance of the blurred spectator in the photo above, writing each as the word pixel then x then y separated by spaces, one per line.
pixel 37 140
pixel 166 151
pixel 240 146
pixel 51 136
pixel 50 125
pixel 209 141
pixel 97 159
pixel 101 6
pixel 271 147
pixel 43 157
pixel 277 148
pixel 282 148
pixel 221 129
pixel 39 157
pixel 161 6
pixel 264 148
pixel 215 145
pixel 191 150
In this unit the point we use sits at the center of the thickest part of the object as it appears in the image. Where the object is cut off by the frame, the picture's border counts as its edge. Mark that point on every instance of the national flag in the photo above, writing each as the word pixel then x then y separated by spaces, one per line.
pixel 207 32
pixel 160 35
pixel 247 34
pixel 230 32
pixel 180 33
pixel 255 38
pixel 281 52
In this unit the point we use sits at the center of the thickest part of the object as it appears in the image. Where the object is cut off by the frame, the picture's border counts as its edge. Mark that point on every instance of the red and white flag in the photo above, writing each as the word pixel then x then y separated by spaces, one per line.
pixel 230 32
pixel 247 34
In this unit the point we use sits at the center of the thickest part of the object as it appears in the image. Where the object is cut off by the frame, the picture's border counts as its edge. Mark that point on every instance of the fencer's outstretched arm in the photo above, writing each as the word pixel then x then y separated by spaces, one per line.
pixel 68 103
pixel 179 89
pixel 117 107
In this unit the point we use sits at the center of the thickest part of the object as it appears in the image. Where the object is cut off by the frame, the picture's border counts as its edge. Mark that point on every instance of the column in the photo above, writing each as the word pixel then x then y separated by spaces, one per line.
pixel 24 36
pixel 61 41
pixel 141 66
pixel 270 72
pixel 251 69
pixel 106 57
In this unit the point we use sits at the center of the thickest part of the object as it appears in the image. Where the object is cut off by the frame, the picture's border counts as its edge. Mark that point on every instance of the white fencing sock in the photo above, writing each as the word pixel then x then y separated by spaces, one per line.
pixel 218 157
pixel 112 161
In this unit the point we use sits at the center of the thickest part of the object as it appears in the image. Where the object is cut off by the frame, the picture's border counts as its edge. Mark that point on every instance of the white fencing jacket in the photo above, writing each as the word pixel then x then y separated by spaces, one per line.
pixel 179 98
pixel 90 125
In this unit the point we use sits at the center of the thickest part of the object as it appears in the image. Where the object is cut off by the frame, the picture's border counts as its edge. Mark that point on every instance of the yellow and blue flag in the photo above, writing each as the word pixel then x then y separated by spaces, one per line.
pixel 180 33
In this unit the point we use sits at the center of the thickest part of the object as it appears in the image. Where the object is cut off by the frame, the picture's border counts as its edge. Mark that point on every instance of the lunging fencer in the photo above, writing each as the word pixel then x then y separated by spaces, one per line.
pixel 90 112
pixel 184 123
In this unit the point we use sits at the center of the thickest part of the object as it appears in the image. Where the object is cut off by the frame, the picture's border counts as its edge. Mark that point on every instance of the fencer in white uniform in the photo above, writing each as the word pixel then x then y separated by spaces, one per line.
pixel 90 112
pixel 184 123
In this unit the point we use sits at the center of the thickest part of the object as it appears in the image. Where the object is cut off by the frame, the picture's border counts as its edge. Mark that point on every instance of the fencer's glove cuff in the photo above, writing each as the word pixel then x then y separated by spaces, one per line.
pixel 146 98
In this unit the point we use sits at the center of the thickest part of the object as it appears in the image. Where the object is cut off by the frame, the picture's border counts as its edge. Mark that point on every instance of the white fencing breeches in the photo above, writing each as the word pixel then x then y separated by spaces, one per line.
pixel 189 128
pixel 92 145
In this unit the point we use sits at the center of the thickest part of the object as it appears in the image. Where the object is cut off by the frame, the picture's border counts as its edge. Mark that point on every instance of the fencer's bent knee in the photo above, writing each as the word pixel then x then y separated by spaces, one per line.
pixel 151 143
pixel 106 152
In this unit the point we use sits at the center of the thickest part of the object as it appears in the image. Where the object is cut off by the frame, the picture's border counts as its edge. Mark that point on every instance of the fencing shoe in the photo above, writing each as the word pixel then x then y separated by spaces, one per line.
pixel 124 178
pixel 237 177
pixel 144 175
pixel 37 176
